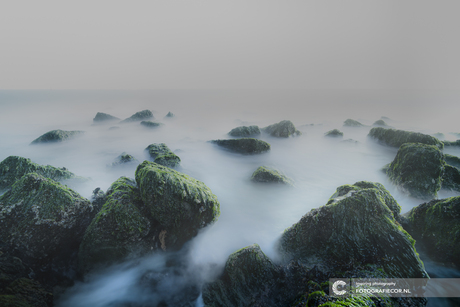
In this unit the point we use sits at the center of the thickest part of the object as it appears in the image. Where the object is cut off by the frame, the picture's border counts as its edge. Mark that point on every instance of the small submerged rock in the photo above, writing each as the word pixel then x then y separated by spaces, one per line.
pixel 267 174
pixel 245 131
pixel 283 129
pixel 417 169
pixel 452 160
pixel 161 154
pixel 170 115
pixel 56 136
pixel 453 143
pixel 150 124
pixel 244 145
pixel 124 159
pixel 396 138
pixel 352 123
pixel 139 116
pixel 104 117
pixel 334 133
pixel 380 123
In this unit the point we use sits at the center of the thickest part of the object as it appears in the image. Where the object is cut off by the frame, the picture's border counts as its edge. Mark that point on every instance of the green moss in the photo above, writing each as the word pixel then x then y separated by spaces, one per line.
pixel 244 145
pixel 267 174
pixel 13 301
pixel 454 143
pixel 161 154
pixel 452 160
pixel 315 298
pixel 282 129
pixel 56 136
pixel 334 133
pixel 396 138
pixel 138 116
pixel 352 123
pixel 244 131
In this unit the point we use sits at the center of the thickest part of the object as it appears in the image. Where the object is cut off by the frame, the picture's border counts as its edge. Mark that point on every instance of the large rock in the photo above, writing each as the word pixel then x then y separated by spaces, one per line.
pixel 358 230
pixel 352 123
pixel 44 219
pixel 267 174
pixel 244 145
pixel 119 230
pixel 244 131
pixel 14 167
pixel 180 203
pixel 417 169
pixel 139 116
pixel 437 225
pixel 396 138
pixel 283 129
pixel 451 178
pixel 56 136
pixel 104 117
pixel 161 154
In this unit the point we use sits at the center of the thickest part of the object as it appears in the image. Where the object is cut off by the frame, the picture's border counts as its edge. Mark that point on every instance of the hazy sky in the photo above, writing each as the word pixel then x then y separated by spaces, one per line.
pixel 402 44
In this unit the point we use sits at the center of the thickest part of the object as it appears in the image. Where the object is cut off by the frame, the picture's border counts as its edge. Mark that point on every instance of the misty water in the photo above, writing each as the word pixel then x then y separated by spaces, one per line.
pixel 250 212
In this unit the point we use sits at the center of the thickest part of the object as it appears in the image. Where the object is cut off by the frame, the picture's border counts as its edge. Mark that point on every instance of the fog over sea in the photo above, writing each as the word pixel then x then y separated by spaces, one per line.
pixel 250 213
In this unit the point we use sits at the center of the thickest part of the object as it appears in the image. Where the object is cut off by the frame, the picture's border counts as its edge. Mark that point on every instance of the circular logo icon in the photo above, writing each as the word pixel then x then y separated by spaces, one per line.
pixel 336 285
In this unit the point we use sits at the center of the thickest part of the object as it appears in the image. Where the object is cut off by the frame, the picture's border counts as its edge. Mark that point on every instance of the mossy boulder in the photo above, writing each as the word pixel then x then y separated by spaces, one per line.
pixel 245 131
pixel 244 145
pixel 453 143
pixel 56 136
pixel 452 160
pixel 139 116
pixel 161 154
pixel 180 203
pixel 417 169
pixel 358 230
pixel 104 117
pixel 334 133
pixel 352 123
pixel 348 189
pixel 380 122
pixel 396 138
pixel 451 178
pixel 26 292
pixel 170 115
pixel 45 219
pixel 250 278
pixel 119 230
pixel 437 225
pixel 125 159
pixel 150 124
pixel 268 174
pixel 283 129
pixel 14 167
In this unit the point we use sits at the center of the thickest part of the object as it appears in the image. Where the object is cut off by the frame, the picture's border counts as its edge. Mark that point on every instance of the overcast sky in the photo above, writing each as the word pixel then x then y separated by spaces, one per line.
pixel 409 44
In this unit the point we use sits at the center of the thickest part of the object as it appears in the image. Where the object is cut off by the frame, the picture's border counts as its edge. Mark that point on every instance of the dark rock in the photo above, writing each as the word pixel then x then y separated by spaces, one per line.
pixel 451 178
pixel 417 169
pixel 347 234
pixel 437 225
pixel 396 138
pixel 283 129
pixel 380 122
pixel 244 131
pixel 452 160
pixel 26 292
pixel 139 116
pixel 119 230
pixel 55 136
pixel 267 174
pixel 46 220
pixel 125 159
pixel 170 115
pixel 334 133
pixel 454 143
pixel 244 145
pixel 104 117
pixel 14 167
pixel 161 154
pixel 352 123
pixel 150 124
pixel 180 203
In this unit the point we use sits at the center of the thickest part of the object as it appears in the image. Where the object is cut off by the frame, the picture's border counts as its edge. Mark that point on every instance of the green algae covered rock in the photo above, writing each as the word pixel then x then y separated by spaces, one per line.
pixel 119 230
pixel 161 154
pixel 348 189
pixel 56 136
pixel 14 167
pixel 267 174
pixel 352 123
pixel 180 203
pixel 150 124
pixel 125 159
pixel 437 225
pixel 417 169
pixel 139 116
pixel 244 145
pixel 454 143
pixel 104 117
pixel 44 218
pixel 283 129
pixel 334 133
pixel 245 131
pixel 451 178
pixel 356 231
pixel 396 138
pixel 26 292
pixel 452 160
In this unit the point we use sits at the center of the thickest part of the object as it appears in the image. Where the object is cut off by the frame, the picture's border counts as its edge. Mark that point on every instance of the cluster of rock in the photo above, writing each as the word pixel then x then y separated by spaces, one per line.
pixel 51 232
pixel 342 239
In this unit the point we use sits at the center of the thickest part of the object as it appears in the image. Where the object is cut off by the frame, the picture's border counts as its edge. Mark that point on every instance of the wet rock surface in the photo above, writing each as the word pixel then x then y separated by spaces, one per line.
pixel 396 138
pixel 56 136
pixel 283 129
pixel 268 174
pixel 244 145
pixel 161 154
pixel 245 131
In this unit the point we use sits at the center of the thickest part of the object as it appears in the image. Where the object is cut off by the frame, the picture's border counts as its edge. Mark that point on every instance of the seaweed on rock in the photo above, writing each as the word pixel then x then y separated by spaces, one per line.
pixel 396 138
